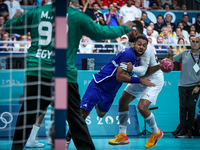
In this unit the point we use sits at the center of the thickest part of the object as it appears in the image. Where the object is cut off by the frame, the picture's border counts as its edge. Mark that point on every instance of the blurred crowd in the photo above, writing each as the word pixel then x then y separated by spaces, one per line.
pixel 118 12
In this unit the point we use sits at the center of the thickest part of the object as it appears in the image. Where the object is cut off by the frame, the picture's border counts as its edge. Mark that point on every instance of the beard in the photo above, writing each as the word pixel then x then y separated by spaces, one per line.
pixel 132 38
pixel 137 54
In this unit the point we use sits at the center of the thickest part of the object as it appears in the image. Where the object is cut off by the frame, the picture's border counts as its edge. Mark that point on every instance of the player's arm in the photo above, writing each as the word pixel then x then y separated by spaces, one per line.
pixel 17 24
pixel 139 70
pixel 121 76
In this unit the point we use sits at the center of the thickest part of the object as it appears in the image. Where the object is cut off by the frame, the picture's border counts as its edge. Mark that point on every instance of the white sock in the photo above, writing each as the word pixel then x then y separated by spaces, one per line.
pixel 152 123
pixel 123 118
pixel 34 132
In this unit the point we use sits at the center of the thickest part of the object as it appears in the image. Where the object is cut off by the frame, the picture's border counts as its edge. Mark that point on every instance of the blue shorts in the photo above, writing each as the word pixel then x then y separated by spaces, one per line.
pixel 95 95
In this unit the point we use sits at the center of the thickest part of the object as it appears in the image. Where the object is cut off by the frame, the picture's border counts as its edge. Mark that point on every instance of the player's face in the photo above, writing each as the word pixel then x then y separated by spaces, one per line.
pixel 129 2
pixel 140 47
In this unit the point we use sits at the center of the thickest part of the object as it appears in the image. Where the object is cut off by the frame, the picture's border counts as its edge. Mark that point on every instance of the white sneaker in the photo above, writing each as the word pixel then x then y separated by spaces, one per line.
pixel 34 144
pixel 49 142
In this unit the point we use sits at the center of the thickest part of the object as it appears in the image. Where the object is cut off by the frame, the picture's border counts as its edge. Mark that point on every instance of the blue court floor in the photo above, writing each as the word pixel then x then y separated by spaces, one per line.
pixel 168 142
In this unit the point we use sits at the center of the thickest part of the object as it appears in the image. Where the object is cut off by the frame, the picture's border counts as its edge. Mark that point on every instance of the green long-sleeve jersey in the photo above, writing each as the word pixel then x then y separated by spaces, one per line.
pixel 39 22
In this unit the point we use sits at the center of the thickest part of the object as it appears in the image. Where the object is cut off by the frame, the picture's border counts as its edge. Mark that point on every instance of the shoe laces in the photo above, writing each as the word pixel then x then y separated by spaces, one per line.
pixel 153 137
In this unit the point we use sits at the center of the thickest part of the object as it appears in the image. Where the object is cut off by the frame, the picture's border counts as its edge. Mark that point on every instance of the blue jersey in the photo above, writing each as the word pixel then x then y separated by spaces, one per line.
pixel 106 78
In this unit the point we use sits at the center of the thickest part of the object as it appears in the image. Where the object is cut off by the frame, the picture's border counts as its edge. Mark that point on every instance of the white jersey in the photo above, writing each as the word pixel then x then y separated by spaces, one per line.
pixel 148 59
pixel 129 13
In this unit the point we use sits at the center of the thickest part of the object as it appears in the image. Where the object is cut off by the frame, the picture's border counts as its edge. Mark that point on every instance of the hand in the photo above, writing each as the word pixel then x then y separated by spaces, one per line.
pixel 129 24
pixel 146 82
pixel 100 18
pixel 168 42
pixel 195 90
pixel 127 66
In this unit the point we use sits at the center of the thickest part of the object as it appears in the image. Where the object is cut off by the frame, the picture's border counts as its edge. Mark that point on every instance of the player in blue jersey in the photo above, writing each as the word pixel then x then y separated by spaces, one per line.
pixel 105 84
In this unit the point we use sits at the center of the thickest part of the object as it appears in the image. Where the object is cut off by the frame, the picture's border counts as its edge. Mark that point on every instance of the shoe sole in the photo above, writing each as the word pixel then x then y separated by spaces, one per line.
pixel 33 147
pixel 125 142
pixel 157 141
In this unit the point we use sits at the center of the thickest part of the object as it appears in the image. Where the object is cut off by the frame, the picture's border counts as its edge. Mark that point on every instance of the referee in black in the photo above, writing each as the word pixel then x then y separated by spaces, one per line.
pixel 189 85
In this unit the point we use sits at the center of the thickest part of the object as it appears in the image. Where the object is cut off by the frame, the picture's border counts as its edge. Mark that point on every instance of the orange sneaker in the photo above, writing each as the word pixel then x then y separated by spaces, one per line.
pixel 153 140
pixel 120 139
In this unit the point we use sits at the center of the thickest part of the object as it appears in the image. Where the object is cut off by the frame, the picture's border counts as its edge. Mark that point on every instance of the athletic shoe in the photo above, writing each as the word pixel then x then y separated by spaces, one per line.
pixel 34 144
pixel 153 140
pixel 181 134
pixel 120 139
pixel 189 134
pixel 100 113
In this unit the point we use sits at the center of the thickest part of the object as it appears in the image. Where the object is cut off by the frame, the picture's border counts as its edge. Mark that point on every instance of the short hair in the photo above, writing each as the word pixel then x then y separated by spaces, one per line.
pixel 165 5
pixel 155 3
pixel 141 37
pixel 110 4
pixel 144 12
pixel 178 28
pixel 139 26
pixel 95 3
pixel 164 27
pixel 191 36
pixel 179 23
pixel 198 15
pixel 159 16
pixel 185 15
pixel 159 36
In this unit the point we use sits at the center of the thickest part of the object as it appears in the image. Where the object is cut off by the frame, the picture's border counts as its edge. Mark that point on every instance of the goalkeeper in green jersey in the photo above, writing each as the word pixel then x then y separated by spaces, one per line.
pixel 38 21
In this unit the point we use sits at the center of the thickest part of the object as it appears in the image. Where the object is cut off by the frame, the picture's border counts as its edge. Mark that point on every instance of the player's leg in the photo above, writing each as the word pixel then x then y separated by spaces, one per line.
pixel 123 111
pixel 32 142
pixel 149 97
pixel 77 124
pixel 29 105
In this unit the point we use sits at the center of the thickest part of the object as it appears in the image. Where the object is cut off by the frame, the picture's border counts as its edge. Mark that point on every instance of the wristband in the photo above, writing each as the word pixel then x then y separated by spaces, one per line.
pixel 135 80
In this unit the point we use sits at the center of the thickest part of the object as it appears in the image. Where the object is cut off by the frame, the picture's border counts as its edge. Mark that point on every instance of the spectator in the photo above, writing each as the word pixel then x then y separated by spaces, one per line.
pixel 18 47
pixel 98 14
pixel 129 12
pixel 71 4
pixel 160 49
pixel 83 3
pixel 183 7
pixel 158 26
pixel 179 34
pixel 146 4
pixel 190 41
pixel 13 7
pixel 185 20
pixel 89 11
pixel 4 9
pixel 144 17
pixel 5 37
pixel 185 33
pixel 85 48
pixel 174 5
pixel 189 85
pixel 193 28
pixel 166 1
pixel 2 22
pixel 137 5
pixel 112 17
pixel 155 33
pixel 167 21
pixel 166 38
pixel 1 33
pixel 159 4
pixel 170 31
pixel 103 48
pixel 197 24
pixel 166 7
pixel 154 6
pixel 192 32
pixel 150 35
pixel 144 29
pixel 179 49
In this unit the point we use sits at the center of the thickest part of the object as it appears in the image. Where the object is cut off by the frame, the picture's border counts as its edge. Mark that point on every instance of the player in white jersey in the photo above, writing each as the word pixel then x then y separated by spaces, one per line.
pixel 147 95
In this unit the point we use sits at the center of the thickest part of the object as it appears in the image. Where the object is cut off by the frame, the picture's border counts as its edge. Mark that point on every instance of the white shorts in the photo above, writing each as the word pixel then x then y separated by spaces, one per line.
pixel 140 91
